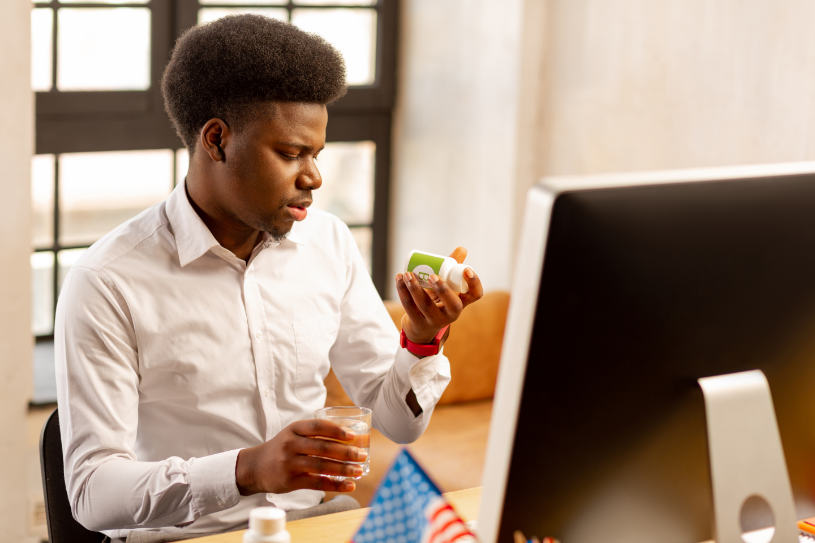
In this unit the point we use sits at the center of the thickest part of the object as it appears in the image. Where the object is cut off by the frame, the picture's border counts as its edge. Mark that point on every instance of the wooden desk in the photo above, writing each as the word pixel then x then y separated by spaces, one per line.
pixel 339 527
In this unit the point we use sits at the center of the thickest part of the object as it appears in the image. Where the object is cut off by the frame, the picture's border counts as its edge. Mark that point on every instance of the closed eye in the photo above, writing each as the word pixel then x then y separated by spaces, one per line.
pixel 292 151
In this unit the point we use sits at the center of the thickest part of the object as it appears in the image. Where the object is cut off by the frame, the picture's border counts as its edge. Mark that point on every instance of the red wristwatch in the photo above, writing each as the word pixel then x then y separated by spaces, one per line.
pixel 423 349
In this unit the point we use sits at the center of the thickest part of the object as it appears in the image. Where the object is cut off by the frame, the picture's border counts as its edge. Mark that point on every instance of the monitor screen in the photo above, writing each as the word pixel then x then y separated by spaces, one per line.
pixel 627 289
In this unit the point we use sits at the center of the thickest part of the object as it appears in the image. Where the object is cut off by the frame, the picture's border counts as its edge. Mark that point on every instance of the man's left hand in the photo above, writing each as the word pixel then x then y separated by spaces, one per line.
pixel 429 310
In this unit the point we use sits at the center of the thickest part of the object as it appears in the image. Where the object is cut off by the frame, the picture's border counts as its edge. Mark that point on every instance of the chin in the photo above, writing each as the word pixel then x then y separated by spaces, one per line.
pixel 275 228
pixel 276 232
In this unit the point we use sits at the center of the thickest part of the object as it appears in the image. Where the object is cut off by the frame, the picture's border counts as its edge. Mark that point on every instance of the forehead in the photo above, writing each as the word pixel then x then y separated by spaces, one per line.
pixel 304 122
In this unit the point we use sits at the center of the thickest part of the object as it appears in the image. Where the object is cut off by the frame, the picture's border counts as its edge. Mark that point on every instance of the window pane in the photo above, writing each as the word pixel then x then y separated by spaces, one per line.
pixel 364 238
pixel 226 2
pixel 206 15
pixel 103 49
pixel 42 293
pixel 42 200
pixel 347 191
pixel 66 259
pixel 352 31
pixel 103 1
pixel 42 21
pixel 101 190
pixel 182 164
pixel 335 2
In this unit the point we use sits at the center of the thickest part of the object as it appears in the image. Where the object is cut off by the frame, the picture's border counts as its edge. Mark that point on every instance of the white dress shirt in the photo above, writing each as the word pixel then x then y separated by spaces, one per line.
pixel 172 354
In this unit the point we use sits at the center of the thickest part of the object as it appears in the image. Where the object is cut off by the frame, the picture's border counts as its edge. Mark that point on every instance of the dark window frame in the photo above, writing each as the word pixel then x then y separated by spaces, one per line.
pixel 68 122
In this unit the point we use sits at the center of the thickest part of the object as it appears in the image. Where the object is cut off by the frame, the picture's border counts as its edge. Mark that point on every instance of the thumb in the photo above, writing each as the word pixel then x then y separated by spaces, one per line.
pixel 459 254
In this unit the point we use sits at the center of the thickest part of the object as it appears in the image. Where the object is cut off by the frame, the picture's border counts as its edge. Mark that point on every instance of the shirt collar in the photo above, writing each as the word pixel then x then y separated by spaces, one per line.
pixel 192 237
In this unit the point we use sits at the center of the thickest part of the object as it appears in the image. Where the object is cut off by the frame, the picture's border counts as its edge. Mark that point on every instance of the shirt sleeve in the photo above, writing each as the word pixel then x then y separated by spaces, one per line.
pixel 97 374
pixel 372 367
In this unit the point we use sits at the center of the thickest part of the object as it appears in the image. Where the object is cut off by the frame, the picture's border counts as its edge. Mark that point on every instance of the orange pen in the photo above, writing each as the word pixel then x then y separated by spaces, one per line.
pixel 807 525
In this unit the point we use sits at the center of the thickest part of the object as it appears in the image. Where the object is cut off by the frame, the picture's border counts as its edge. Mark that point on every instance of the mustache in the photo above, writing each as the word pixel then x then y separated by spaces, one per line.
pixel 303 200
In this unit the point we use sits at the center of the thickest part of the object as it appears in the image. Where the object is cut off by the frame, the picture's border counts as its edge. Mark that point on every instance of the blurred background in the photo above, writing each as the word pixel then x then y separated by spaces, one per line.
pixel 455 108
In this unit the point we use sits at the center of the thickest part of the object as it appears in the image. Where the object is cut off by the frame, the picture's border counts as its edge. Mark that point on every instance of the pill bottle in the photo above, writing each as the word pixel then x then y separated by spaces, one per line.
pixel 423 265
pixel 267 525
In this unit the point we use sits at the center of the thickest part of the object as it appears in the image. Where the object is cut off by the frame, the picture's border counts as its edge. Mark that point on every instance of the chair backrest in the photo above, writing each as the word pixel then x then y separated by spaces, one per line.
pixel 62 527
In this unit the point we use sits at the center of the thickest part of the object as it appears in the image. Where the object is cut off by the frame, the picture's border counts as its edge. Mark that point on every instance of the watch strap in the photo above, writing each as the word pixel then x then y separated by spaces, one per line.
pixel 423 349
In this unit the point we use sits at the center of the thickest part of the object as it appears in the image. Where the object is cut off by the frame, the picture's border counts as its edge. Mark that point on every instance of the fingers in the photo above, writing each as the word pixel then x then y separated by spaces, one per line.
pixel 322 428
pixel 459 254
pixel 328 449
pixel 420 297
pixel 475 289
pixel 315 465
pixel 417 301
pixel 406 297
pixel 448 301
pixel 316 482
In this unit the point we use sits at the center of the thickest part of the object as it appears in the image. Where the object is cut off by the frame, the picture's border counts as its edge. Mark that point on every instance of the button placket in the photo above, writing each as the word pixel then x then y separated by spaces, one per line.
pixel 260 348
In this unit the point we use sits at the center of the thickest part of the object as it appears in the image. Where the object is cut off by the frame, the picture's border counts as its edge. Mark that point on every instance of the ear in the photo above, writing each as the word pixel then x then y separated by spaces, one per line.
pixel 213 137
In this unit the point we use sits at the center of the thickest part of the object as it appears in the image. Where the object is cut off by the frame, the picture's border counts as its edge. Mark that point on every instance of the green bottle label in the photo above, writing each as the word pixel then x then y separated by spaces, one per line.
pixel 423 265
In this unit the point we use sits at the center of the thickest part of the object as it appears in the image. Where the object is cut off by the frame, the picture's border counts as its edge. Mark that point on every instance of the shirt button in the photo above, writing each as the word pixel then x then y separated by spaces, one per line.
pixel 258 335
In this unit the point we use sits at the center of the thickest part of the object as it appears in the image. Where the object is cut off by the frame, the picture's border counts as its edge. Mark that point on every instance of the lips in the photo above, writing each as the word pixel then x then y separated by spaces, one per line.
pixel 298 209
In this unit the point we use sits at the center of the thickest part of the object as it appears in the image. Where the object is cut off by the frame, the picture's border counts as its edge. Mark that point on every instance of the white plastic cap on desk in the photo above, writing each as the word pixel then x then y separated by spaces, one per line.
pixel 267 520
pixel 267 524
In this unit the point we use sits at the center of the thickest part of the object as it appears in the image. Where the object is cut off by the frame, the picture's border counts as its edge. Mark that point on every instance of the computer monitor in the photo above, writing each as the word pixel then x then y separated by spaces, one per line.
pixel 627 289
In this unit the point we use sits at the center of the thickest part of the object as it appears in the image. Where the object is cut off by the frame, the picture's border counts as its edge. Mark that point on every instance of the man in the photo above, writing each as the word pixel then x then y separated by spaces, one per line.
pixel 192 341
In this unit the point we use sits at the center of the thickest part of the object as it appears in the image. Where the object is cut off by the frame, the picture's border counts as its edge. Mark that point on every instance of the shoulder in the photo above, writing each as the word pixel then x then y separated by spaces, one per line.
pixel 147 232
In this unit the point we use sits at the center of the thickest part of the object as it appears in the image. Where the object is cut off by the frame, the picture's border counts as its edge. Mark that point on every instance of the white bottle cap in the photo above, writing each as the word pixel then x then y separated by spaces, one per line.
pixel 457 279
pixel 267 520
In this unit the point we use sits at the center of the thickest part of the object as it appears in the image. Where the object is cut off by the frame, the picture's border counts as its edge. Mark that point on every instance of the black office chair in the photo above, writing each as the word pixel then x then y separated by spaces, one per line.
pixel 62 527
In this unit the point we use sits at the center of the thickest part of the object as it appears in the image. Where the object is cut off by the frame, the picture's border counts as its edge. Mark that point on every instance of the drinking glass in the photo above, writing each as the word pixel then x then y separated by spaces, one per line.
pixel 356 420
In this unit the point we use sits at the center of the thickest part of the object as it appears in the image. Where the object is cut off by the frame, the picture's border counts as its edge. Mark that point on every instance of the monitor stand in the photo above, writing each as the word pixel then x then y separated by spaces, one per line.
pixel 746 458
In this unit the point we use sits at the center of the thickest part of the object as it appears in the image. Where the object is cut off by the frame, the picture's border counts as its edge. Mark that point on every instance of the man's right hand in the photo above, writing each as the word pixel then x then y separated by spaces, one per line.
pixel 298 457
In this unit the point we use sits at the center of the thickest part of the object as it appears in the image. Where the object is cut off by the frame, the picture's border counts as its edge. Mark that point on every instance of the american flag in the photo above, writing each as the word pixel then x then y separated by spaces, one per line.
pixel 409 508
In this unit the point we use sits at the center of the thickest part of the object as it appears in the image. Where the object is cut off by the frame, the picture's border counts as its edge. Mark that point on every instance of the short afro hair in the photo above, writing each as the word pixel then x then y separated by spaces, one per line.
pixel 224 68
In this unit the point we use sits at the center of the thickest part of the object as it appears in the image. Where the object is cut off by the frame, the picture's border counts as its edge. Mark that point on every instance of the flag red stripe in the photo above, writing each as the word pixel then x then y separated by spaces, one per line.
pixel 448 538
pixel 440 510
pixel 450 531
pixel 448 524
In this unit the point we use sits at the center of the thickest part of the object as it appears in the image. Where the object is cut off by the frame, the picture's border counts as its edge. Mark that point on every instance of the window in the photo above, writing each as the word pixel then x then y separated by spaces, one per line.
pixel 105 149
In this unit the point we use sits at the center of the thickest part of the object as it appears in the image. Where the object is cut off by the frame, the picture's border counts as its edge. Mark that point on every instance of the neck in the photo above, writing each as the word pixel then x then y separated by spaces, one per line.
pixel 239 241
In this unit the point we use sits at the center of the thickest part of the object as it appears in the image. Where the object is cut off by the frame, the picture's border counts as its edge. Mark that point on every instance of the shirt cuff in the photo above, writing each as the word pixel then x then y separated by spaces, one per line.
pixel 428 376
pixel 212 482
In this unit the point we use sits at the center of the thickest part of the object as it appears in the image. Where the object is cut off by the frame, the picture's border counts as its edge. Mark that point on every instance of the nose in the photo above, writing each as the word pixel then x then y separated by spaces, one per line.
pixel 309 177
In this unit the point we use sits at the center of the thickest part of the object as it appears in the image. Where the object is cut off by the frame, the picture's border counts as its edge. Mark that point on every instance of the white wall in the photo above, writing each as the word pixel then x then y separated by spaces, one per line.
pixel 16 144
pixel 495 95
pixel 455 132
pixel 638 84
